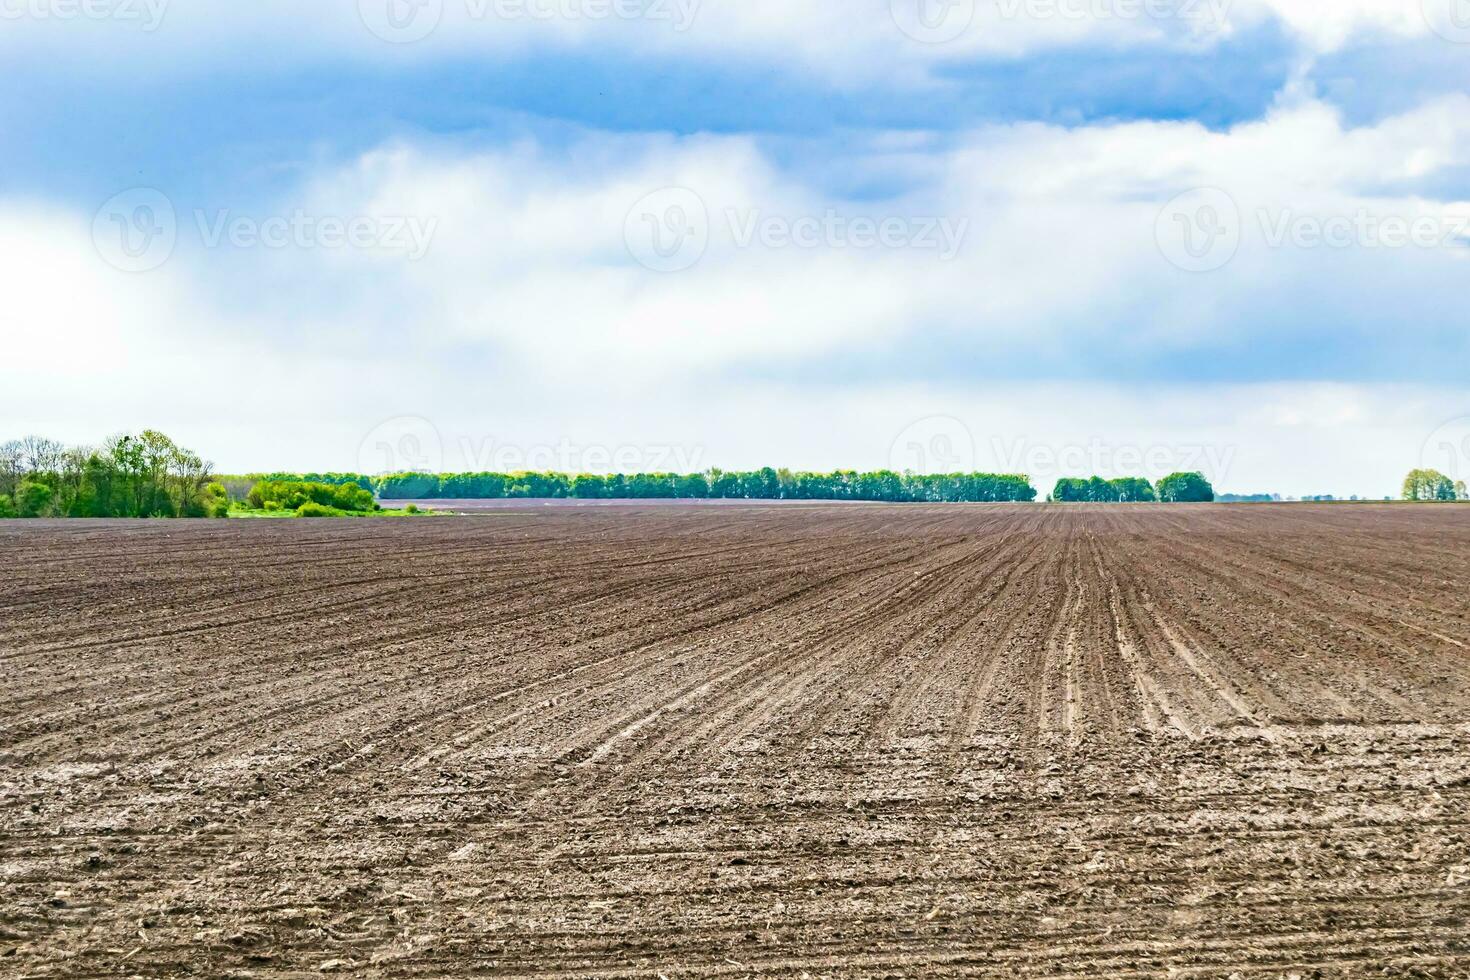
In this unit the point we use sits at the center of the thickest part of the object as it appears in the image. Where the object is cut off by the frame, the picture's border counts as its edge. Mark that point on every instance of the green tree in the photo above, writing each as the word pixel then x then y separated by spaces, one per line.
pixel 1181 488
pixel 1069 489
pixel 1428 485
pixel 33 498
pixel 589 486
pixel 1133 489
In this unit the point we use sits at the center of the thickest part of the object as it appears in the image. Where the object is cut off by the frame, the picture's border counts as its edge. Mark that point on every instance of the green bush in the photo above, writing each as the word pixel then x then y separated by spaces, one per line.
pixel 7 506
pixel 313 509
pixel 215 500
pixel 411 509
pixel 272 505
pixel 33 499
pixel 291 494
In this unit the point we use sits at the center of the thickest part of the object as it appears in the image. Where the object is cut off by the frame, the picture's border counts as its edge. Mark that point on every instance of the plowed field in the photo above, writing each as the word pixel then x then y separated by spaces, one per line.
pixel 740 741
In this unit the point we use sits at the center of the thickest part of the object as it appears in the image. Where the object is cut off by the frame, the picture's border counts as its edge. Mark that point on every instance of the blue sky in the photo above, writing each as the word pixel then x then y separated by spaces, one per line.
pixel 793 232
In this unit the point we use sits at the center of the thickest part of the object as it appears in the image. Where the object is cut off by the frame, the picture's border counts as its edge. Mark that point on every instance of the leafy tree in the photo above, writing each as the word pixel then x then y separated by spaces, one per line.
pixel 1098 490
pixel 1069 490
pixel 1179 488
pixel 692 486
pixel 1428 485
pixel 1133 489
pixel 34 498
pixel 415 486
pixel 130 476
pixel 589 486
pixel 725 485
pixel 7 506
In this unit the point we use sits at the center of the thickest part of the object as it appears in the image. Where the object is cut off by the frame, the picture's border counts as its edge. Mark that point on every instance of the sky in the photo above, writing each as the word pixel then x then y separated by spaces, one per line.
pixel 1060 237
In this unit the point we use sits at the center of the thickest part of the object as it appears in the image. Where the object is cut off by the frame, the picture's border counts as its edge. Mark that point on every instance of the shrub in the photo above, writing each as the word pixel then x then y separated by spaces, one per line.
pixel 7 506
pixel 215 500
pixel 33 499
pixel 291 494
pixel 272 505
pixel 411 509
pixel 313 509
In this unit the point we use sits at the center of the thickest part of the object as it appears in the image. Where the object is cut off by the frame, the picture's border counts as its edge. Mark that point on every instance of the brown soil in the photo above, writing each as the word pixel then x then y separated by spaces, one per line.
pixel 740 741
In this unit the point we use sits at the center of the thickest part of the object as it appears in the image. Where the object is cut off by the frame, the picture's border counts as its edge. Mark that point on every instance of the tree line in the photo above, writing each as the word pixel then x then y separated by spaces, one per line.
pixel 1175 488
pixel 149 475
pixel 145 475
pixel 767 483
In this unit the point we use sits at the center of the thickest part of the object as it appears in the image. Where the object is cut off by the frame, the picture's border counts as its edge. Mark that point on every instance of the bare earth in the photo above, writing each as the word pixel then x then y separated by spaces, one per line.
pixel 740 741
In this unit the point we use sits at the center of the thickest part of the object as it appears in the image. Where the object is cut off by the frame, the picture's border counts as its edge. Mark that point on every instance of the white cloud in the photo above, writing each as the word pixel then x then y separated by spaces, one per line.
pixel 529 321
pixel 1327 25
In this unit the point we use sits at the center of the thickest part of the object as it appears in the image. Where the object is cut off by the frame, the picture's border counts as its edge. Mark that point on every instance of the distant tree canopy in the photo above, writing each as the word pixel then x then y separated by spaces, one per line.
pixel 146 475
pixel 1174 488
pixel 1097 490
pixel 1184 488
pixel 333 479
pixel 762 484
pixel 1430 485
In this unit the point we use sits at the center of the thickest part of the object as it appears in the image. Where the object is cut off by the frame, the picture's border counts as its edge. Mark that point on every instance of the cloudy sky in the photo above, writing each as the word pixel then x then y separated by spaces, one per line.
pixel 1059 236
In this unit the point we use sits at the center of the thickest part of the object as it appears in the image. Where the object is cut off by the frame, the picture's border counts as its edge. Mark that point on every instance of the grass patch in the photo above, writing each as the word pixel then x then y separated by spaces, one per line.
pixel 243 512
